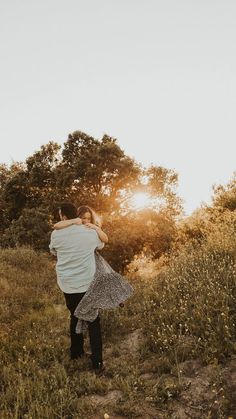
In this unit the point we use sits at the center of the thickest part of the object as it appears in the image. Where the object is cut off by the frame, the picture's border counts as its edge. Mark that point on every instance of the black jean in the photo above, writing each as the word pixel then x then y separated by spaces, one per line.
pixel 77 340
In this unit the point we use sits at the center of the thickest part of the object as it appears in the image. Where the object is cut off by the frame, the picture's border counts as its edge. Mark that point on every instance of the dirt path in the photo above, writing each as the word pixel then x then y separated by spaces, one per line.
pixel 203 391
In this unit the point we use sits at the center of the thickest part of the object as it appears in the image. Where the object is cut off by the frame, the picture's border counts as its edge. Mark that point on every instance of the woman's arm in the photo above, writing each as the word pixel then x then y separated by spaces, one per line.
pixel 67 223
pixel 102 236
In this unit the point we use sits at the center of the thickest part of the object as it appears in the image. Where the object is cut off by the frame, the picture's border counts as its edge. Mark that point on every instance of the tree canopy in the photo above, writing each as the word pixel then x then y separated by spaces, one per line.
pixel 86 170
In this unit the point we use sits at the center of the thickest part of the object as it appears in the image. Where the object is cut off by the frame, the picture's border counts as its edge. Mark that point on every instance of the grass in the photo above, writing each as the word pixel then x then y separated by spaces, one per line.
pixel 180 312
pixel 191 306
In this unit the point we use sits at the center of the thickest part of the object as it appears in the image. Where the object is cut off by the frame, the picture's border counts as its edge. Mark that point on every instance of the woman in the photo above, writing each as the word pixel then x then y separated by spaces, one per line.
pixel 108 288
pixel 85 216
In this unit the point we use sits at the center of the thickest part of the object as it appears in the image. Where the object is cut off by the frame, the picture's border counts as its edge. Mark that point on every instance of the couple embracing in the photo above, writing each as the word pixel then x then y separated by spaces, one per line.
pixel 86 279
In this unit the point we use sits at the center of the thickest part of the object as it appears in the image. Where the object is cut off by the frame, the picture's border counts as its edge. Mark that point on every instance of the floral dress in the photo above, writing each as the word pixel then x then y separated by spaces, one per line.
pixel 107 290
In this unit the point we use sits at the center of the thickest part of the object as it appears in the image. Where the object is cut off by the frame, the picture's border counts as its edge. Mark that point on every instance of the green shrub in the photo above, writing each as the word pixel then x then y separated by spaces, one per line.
pixel 192 305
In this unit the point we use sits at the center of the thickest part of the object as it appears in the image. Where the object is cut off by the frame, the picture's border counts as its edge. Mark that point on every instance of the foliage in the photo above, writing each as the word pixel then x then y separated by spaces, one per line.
pixel 87 171
pixel 97 171
pixel 185 311
pixel 184 275
pixel 225 196
pixel 192 301
pixel 93 172
pixel 32 228
pixel 129 235
pixel 162 183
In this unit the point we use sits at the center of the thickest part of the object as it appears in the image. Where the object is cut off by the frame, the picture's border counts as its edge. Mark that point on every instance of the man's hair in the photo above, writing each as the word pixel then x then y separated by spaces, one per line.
pixel 69 210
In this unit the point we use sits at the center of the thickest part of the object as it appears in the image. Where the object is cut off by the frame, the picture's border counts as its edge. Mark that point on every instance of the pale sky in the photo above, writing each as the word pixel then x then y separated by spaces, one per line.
pixel 160 76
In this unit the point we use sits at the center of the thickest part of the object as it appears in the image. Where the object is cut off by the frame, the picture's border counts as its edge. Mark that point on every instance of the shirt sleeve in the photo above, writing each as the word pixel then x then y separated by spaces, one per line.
pixel 52 244
pixel 99 244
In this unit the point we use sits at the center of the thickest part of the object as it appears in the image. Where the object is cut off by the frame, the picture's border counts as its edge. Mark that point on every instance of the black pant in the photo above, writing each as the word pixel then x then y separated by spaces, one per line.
pixel 77 340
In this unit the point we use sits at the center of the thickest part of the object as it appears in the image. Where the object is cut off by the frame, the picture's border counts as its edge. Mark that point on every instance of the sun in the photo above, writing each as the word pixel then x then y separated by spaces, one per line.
pixel 140 200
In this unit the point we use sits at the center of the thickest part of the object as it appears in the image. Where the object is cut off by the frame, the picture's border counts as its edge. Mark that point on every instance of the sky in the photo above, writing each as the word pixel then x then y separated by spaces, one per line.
pixel 158 75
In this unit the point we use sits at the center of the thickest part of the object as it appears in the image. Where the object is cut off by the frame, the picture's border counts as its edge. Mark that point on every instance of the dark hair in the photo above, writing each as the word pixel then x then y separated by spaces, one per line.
pixel 69 210
pixel 85 208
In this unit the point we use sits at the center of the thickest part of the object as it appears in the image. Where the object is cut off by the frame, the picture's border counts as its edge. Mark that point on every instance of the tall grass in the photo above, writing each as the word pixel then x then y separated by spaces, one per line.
pixel 37 378
pixel 190 309
pixel 183 309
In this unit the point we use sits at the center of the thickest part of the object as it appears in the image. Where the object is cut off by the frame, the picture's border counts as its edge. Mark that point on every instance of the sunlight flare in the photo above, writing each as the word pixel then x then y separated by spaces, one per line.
pixel 140 200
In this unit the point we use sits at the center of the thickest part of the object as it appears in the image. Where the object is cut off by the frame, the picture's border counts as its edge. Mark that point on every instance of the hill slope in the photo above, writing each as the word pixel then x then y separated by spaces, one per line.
pixel 151 370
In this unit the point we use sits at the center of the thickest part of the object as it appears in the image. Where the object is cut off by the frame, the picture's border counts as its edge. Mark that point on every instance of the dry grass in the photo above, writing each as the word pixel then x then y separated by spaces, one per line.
pixel 187 311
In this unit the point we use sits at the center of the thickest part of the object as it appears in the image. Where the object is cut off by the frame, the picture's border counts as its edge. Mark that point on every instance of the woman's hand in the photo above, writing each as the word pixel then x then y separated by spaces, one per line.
pixel 77 221
pixel 93 226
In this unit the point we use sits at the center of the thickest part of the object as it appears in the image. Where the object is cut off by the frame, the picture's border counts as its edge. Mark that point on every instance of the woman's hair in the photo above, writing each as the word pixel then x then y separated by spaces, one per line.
pixel 94 218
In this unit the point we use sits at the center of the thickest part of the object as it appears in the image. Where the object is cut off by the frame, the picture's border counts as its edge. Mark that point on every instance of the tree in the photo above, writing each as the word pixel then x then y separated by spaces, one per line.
pixel 7 207
pixel 16 193
pixel 41 165
pixel 161 184
pixel 146 232
pixel 225 196
pixel 96 171
pixel 32 228
pixel 41 171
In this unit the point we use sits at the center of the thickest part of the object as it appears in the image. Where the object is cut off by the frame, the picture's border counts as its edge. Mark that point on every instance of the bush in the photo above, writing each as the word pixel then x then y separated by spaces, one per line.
pixel 31 229
pixel 193 300
pixel 148 231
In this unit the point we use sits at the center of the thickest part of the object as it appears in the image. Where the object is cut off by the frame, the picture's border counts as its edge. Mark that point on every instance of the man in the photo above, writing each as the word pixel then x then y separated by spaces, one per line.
pixel 74 247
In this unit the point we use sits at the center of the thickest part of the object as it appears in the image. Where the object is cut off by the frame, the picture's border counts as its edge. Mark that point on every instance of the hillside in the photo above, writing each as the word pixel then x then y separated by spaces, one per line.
pixel 169 353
